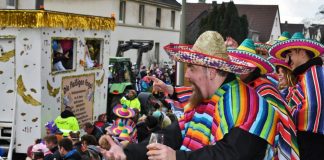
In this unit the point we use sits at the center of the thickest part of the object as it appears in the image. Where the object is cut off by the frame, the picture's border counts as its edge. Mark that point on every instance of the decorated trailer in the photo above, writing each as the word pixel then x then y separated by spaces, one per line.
pixel 50 60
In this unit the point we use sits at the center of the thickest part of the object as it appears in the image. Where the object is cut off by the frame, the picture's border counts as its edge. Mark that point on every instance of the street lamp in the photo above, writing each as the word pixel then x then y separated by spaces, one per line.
pixel 180 66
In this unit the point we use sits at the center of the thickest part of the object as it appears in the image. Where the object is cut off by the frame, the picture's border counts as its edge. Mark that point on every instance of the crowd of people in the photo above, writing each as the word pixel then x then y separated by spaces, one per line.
pixel 246 101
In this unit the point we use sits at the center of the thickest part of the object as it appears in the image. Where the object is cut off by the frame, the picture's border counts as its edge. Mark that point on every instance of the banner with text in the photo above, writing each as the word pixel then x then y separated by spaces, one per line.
pixel 78 92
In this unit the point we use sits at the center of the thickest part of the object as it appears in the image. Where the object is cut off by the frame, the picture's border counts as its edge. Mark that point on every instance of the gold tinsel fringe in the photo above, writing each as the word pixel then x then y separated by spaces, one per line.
pixel 50 19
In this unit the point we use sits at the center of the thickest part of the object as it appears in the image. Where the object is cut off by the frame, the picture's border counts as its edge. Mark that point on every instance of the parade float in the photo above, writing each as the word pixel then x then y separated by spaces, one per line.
pixel 50 60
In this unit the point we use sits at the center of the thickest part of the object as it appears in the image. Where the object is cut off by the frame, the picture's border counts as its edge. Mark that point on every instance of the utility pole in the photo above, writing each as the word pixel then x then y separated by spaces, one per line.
pixel 180 66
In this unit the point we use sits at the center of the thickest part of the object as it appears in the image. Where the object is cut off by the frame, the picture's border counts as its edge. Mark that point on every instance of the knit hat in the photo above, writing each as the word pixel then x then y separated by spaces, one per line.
pixel 50 125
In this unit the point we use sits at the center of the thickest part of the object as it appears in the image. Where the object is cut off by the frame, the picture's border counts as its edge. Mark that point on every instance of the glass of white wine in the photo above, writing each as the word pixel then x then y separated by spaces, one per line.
pixel 157 138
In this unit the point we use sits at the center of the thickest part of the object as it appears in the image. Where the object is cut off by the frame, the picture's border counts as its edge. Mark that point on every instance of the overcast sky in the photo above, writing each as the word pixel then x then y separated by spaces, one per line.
pixel 293 11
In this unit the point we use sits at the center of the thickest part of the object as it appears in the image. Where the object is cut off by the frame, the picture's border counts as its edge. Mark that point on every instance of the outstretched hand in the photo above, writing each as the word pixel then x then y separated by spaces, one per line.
pixel 159 85
pixel 115 152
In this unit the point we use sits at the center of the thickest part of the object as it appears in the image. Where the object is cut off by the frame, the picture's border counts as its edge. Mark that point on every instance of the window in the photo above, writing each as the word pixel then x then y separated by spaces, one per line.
pixel 158 17
pixel 172 19
pixel 157 53
pixel 93 53
pixel 141 15
pixel 63 54
pixel 11 4
pixel 122 10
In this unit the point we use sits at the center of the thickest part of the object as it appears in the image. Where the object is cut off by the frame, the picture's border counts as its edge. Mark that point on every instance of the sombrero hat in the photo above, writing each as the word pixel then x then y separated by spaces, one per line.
pixel 126 121
pixel 246 52
pixel 297 41
pixel 124 135
pixel 117 129
pixel 209 50
pixel 284 36
pixel 123 111
pixel 278 62
pixel 264 47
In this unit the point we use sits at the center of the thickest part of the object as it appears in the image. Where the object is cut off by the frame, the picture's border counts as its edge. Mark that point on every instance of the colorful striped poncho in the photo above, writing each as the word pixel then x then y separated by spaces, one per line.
pixel 273 78
pixel 232 105
pixel 183 95
pixel 307 100
pixel 286 130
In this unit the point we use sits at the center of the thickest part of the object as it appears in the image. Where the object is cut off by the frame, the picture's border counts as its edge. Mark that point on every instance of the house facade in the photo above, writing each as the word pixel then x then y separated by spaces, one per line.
pixel 157 20
pixel 293 28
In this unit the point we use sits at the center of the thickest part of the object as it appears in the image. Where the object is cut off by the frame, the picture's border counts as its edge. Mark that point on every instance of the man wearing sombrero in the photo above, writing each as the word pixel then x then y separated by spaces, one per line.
pixel 307 102
pixel 246 53
pixel 224 118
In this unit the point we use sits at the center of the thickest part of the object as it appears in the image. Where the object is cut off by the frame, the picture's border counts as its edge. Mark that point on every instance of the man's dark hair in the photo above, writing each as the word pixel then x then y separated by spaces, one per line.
pixel 309 53
pixel 74 135
pixel 38 155
pixel 51 138
pixel 89 139
pixel 88 125
pixel 68 108
pixel 222 73
pixel 151 122
pixel 38 141
pixel 66 143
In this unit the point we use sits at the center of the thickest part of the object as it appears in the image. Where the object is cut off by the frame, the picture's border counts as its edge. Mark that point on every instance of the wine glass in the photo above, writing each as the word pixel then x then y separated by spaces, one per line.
pixel 157 138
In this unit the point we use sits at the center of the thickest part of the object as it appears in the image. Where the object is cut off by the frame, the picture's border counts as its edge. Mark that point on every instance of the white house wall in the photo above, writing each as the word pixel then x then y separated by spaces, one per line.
pixel 276 31
pixel 132 13
pixel 26 4
pixel 88 7
pixel 162 37
pixel 3 4
pixel 131 28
